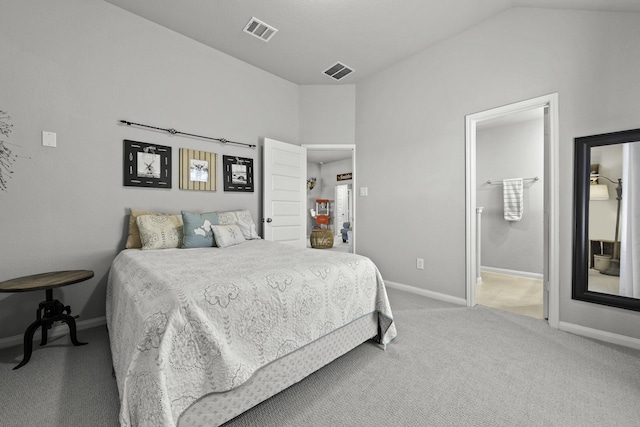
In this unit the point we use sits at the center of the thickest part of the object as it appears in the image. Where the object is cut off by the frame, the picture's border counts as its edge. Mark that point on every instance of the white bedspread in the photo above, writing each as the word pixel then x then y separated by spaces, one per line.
pixel 187 322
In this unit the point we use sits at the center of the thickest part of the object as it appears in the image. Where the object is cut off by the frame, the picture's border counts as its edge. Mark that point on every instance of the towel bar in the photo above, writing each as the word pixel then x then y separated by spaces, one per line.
pixel 535 178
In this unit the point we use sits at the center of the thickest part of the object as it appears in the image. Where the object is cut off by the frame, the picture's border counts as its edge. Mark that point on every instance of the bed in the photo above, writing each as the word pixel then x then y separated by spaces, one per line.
pixel 200 335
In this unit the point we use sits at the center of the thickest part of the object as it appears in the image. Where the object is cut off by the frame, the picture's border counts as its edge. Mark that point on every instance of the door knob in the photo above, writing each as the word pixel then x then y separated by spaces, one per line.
pixel 269 220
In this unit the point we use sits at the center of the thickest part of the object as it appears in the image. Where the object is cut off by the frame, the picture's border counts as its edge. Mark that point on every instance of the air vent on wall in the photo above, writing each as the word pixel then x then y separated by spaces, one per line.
pixel 259 29
pixel 338 71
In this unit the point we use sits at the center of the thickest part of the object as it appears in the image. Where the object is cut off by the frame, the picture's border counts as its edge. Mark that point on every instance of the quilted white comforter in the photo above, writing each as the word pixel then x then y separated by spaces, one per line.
pixel 187 322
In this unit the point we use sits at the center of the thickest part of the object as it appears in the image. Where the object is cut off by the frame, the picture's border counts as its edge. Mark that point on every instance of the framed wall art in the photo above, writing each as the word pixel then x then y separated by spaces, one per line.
pixel 197 170
pixel 238 173
pixel 146 165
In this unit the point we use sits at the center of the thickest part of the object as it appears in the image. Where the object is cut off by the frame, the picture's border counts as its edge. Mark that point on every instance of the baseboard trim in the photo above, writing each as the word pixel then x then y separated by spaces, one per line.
pixel 597 334
pixel 426 293
pixel 517 273
pixel 56 331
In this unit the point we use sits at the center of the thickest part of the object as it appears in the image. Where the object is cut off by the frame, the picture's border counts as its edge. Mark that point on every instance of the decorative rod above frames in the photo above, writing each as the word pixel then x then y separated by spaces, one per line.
pixel 177 132
pixel 535 178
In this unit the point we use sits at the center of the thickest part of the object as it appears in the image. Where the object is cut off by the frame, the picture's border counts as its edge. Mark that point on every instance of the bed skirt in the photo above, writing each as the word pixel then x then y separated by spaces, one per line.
pixel 217 408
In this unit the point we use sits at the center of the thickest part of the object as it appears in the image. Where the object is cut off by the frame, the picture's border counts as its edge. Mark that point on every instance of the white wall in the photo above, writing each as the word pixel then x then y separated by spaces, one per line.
pixel 514 150
pixel 410 136
pixel 76 67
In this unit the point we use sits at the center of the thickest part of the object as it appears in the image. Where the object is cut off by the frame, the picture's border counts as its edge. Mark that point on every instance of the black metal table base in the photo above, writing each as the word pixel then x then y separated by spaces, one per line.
pixel 49 311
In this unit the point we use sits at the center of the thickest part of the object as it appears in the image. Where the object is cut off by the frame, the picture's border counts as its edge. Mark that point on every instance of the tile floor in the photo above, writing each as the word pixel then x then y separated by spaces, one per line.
pixel 511 293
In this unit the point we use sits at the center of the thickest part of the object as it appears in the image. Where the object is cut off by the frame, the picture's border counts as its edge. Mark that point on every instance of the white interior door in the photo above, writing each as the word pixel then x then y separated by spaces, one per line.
pixel 284 196
pixel 342 207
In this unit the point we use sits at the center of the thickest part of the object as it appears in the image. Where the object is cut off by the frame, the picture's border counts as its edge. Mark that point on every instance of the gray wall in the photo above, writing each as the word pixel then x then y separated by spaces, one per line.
pixel 76 67
pixel 514 150
pixel 329 172
pixel 327 114
pixel 410 136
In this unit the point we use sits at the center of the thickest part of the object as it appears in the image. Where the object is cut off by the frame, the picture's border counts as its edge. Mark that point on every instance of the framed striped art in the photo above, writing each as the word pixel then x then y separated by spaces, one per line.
pixel 197 170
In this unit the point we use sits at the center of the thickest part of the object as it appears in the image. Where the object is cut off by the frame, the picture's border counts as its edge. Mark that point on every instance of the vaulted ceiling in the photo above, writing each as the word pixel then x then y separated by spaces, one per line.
pixel 365 35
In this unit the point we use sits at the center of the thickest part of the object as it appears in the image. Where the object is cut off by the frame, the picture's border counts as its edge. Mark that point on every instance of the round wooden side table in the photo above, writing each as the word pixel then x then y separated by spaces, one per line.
pixel 51 310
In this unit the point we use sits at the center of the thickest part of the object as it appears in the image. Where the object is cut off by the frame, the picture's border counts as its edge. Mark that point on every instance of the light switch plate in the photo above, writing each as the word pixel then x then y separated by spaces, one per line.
pixel 364 191
pixel 49 139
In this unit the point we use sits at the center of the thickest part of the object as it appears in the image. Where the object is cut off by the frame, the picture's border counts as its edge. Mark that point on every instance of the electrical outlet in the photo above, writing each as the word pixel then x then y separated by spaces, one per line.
pixel 420 263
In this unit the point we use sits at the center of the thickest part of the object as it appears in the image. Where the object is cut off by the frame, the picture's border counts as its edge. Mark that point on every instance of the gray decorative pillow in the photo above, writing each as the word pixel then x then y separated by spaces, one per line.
pixel 243 219
pixel 197 229
pixel 160 231
pixel 227 235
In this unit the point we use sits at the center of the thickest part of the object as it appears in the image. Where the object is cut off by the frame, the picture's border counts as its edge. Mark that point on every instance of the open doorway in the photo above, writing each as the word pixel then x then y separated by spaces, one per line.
pixel 510 164
pixel 331 168
pixel 547 180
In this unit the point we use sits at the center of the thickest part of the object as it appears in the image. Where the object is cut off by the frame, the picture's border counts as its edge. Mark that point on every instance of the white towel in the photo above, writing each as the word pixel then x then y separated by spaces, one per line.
pixel 512 194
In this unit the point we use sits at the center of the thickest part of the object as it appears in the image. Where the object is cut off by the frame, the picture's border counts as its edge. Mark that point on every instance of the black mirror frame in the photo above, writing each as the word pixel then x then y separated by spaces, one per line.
pixel 581 250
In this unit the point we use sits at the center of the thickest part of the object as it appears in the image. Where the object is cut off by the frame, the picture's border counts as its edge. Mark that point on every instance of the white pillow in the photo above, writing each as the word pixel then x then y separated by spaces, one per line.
pixel 227 235
pixel 160 231
pixel 243 219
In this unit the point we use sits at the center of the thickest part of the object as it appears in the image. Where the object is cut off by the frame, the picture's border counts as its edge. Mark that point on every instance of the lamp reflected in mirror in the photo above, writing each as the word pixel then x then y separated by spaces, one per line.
pixel 600 192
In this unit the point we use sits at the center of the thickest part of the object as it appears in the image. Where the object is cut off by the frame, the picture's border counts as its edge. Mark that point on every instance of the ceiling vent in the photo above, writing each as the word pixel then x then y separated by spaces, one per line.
pixel 338 71
pixel 259 29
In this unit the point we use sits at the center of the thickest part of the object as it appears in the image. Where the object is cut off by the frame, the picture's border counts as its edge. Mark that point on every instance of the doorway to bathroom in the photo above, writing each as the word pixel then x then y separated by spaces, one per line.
pixel 512 235
pixel 510 193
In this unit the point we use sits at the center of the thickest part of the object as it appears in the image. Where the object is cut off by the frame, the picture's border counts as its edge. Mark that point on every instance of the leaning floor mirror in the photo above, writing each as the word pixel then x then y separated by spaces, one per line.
pixel 606 249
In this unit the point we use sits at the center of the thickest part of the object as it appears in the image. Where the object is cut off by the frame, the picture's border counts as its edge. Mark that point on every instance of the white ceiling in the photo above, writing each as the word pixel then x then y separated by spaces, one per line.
pixel 366 35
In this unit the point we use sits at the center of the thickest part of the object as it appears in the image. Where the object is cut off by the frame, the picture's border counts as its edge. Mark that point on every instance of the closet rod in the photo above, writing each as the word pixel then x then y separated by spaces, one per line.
pixel 177 132
pixel 535 178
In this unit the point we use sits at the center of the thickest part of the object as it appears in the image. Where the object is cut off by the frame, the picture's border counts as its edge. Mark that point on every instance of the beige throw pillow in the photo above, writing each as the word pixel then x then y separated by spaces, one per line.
pixel 133 240
pixel 160 231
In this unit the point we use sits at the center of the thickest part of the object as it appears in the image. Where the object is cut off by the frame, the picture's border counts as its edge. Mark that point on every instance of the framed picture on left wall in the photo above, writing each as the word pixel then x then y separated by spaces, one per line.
pixel 146 165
